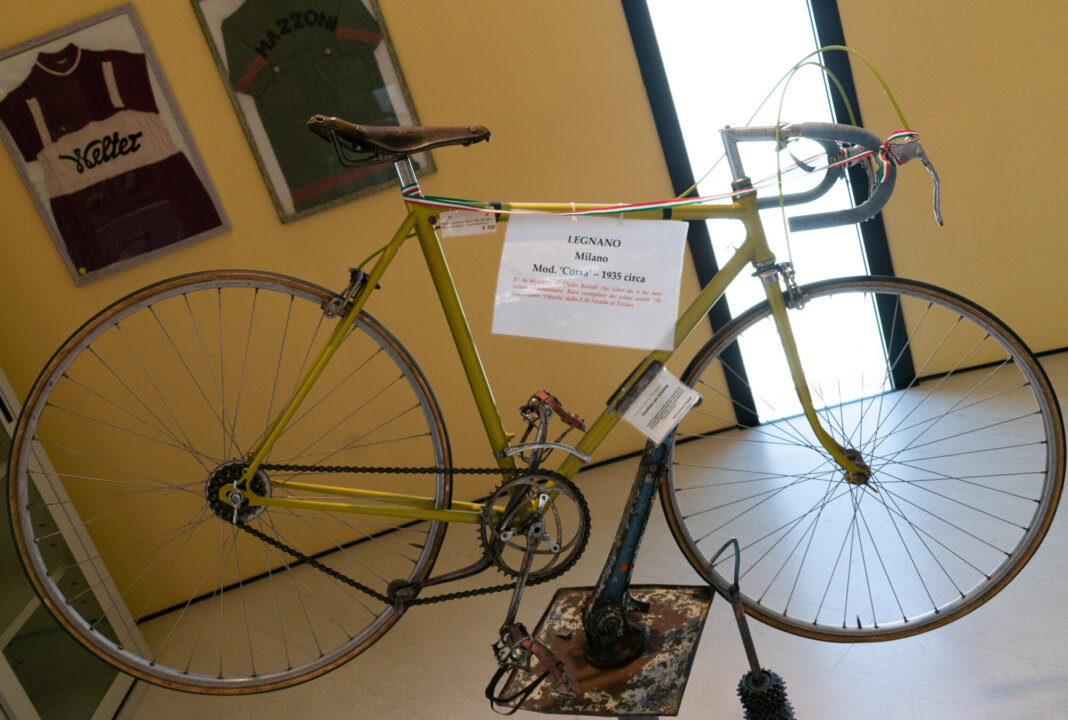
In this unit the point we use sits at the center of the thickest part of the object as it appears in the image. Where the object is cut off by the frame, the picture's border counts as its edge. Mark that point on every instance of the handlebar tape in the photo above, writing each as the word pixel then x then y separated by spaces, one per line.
pixel 867 209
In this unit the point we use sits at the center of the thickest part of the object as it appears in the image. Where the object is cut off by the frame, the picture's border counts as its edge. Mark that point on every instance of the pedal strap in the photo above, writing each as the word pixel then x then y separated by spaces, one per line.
pixel 553 667
pixel 512 702
pixel 562 681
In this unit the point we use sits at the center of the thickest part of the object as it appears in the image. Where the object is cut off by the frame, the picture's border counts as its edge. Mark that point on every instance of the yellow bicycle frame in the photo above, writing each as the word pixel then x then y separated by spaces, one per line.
pixel 420 223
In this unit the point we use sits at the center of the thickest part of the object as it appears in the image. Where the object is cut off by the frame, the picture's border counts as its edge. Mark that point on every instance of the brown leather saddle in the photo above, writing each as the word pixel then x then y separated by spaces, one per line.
pixel 382 144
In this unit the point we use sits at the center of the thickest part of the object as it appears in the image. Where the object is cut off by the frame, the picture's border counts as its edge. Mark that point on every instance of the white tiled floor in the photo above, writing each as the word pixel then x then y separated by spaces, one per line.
pixel 1007 660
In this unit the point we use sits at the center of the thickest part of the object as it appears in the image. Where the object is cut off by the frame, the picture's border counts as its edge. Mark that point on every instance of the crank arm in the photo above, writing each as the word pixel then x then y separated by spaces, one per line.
pixel 535 534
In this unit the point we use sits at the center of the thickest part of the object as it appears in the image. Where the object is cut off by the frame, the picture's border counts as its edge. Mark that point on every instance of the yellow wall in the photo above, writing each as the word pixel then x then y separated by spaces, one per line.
pixel 986 85
pixel 558 84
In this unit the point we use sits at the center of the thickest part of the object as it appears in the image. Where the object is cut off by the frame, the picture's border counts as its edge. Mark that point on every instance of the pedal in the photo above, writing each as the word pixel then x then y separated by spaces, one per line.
pixel 518 652
pixel 550 400
pixel 534 446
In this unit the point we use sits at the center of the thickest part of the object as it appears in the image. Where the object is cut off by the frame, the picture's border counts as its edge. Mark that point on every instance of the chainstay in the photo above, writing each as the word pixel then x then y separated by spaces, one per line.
pixel 373 469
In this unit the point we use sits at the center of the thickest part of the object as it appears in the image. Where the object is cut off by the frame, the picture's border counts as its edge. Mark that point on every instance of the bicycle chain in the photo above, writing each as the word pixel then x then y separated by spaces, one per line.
pixel 356 584
pixel 276 543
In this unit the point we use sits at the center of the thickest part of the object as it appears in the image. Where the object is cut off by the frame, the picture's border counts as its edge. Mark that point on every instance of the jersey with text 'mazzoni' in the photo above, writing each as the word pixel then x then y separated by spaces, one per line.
pixel 298 58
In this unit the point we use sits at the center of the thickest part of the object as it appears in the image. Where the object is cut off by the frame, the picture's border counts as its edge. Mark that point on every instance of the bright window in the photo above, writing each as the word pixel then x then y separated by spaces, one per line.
pixel 721 61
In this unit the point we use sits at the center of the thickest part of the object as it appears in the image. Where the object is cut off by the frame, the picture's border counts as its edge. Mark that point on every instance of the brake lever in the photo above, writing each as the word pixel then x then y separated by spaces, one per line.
pixel 914 150
pixel 937 186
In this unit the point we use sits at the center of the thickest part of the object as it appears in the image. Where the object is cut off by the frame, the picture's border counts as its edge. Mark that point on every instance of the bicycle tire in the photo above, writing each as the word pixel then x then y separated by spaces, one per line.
pixel 150 406
pixel 966 451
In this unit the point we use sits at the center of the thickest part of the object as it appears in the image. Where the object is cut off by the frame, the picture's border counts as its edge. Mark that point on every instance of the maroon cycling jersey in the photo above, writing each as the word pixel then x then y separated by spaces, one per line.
pixel 117 184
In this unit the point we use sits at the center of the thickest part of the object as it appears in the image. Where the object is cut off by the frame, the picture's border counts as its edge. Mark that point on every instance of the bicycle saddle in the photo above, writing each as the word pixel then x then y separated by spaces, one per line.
pixel 387 143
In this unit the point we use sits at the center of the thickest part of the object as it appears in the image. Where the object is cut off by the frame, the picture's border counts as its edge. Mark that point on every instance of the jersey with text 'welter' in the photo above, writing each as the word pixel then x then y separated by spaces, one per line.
pixel 117 184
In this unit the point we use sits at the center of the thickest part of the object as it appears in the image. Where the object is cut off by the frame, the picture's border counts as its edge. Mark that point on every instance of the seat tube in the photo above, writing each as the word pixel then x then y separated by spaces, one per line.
pixel 408 179
pixel 455 317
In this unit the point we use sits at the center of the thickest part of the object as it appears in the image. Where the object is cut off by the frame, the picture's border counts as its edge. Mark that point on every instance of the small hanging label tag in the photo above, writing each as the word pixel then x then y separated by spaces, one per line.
pixel 660 405
pixel 457 223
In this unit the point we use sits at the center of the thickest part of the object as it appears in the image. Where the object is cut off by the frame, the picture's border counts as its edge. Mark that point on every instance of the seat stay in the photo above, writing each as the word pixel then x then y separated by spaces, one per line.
pixel 258 454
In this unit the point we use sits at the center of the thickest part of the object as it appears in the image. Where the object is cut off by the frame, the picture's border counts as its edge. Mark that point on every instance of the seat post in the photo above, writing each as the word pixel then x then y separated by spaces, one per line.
pixel 406 174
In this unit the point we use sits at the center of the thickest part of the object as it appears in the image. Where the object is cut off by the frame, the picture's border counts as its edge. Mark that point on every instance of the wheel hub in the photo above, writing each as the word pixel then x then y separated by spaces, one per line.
pixel 863 476
pixel 236 507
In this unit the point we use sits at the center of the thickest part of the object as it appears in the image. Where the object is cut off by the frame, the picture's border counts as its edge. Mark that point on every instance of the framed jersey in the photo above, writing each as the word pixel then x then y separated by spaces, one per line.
pixel 96 135
pixel 286 60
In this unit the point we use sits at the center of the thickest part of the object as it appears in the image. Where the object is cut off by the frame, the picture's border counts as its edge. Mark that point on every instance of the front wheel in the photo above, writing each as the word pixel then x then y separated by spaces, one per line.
pixel 959 429
pixel 149 410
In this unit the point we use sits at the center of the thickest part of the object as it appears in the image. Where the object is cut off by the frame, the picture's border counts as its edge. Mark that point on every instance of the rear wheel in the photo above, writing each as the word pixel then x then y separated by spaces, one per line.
pixel 961 433
pixel 148 410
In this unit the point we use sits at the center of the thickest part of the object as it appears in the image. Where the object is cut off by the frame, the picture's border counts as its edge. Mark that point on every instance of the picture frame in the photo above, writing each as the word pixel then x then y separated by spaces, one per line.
pixel 281 63
pixel 96 135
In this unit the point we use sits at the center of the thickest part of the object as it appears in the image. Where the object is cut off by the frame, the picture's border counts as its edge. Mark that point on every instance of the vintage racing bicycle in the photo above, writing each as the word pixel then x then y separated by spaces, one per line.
pixel 234 481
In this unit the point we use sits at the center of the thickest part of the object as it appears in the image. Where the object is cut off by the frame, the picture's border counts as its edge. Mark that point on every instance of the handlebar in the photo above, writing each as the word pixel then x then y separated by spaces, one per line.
pixel 831 136
pixel 833 174
pixel 860 137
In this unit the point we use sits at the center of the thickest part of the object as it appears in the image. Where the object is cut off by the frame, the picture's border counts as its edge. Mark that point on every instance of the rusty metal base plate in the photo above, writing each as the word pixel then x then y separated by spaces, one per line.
pixel 652 684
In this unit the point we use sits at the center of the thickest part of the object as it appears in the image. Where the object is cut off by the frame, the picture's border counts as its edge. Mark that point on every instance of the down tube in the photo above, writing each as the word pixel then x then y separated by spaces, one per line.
pixel 685 325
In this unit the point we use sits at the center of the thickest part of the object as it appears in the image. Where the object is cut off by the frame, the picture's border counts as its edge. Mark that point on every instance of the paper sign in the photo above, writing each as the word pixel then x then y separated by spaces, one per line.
pixel 659 407
pixel 596 280
pixel 457 223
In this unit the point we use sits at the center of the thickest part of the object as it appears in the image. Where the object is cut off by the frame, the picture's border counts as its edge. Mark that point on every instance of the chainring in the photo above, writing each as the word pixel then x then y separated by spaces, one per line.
pixel 532 498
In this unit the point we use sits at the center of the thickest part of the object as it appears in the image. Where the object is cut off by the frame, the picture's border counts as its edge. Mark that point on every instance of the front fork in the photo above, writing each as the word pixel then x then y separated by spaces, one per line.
pixel 612 638
pixel 856 472
pixel 770 274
